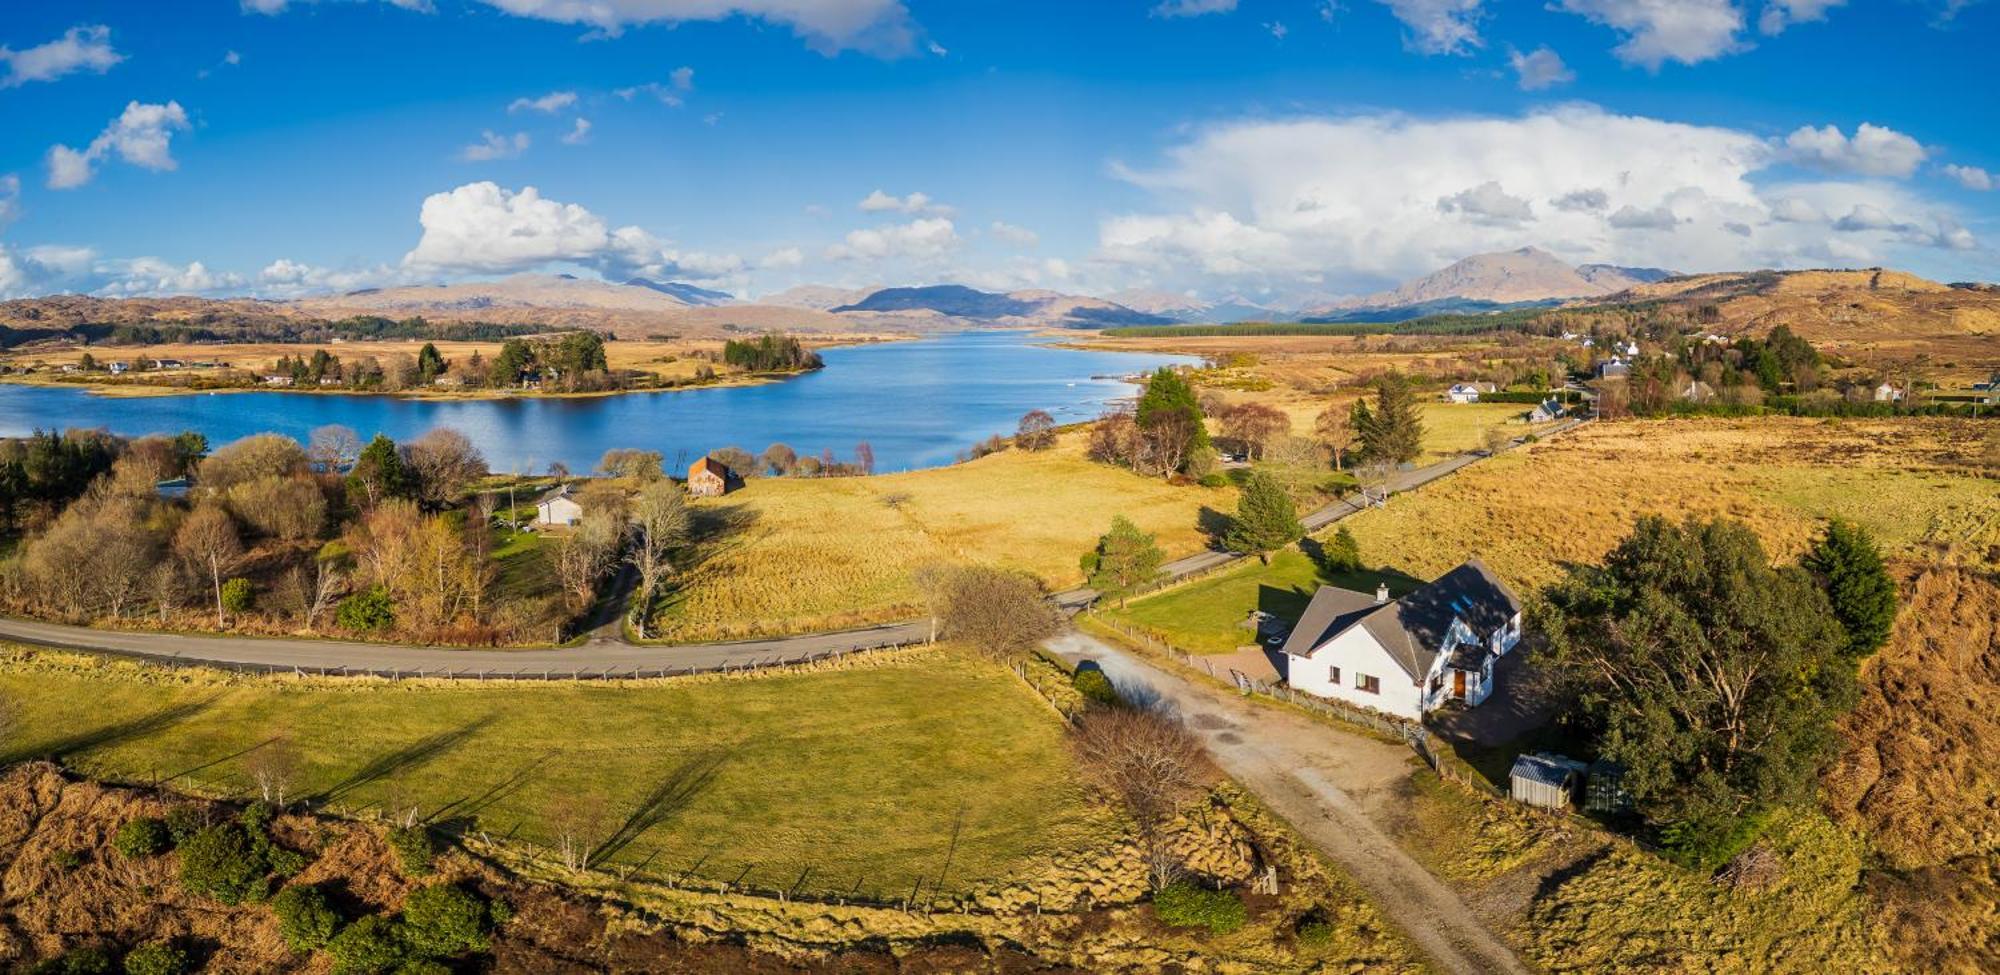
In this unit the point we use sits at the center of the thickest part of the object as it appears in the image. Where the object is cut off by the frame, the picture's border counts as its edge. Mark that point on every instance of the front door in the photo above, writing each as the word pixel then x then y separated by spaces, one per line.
pixel 1458 684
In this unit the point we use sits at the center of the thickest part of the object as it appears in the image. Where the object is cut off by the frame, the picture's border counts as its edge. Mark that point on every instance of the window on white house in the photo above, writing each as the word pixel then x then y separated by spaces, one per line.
pixel 1367 684
pixel 1333 676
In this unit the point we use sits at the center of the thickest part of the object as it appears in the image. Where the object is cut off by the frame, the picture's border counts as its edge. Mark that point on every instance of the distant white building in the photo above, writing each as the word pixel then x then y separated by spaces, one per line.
pixel 1406 656
pixel 1613 369
pixel 1888 393
pixel 558 508
pixel 1463 393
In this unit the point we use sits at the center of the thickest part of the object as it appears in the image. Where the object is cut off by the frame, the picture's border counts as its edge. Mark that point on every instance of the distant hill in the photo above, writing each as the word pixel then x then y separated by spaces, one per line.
pixel 1182 307
pixel 1503 279
pixel 692 294
pixel 1025 308
pixel 819 297
pixel 1422 309
pixel 1872 308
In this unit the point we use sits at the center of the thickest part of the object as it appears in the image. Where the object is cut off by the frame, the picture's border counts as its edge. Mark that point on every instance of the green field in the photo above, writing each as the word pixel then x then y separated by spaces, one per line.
pixel 1205 616
pixel 853 782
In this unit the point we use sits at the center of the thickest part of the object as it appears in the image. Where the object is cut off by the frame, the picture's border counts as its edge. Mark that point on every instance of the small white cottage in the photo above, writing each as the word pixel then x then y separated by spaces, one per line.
pixel 1406 656
pixel 558 508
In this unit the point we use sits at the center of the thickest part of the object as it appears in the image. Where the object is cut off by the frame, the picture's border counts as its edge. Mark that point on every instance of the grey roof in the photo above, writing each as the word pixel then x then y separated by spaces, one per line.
pixel 559 491
pixel 1412 628
pixel 1549 770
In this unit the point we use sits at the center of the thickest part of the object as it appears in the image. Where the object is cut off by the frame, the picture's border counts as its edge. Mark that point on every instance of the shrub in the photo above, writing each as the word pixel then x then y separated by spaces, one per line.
pixel 444 921
pixel 157 958
pixel 414 849
pixel 366 947
pixel 82 961
pixel 238 595
pixel 1184 905
pixel 222 862
pixel 368 610
pixel 66 859
pixel 185 821
pixel 1711 841
pixel 256 816
pixel 305 918
pixel 1314 933
pixel 1213 480
pixel 1094 686
pixel 142 837
pixel 423 966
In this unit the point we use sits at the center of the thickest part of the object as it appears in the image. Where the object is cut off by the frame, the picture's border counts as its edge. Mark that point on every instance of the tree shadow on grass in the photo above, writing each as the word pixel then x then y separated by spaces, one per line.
pixel 402 759
pixel 670 795
pixel 1213 524
pixel 114 733
pixel 462 814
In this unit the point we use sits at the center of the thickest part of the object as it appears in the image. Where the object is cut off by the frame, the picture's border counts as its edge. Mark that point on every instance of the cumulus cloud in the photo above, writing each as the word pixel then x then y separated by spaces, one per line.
pixel 1193 8
pixel 272 8
pixel 492 145
pixel 1970 177
pixel 10 199
pixel 1780 14
pixel 141 135
pixel 1438 26
pixel 1874 150
pixel 578 134
pixel 1016 235
pixel 78 49
pixel 926 239
pixel 1658 31
pixel 1487 203
pixel 152 276
pixel 828 26
pixel 673 92
pixel 483 228
pixel 548 104
pixel 916 203
pixel 1335 202
pixel 783 257
pixel 1539 69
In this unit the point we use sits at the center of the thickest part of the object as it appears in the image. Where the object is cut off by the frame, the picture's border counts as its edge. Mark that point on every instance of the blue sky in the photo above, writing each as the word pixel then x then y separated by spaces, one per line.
pixel 1281 149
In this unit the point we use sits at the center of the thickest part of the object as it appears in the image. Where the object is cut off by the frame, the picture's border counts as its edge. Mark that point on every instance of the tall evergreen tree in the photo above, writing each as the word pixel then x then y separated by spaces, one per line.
pixel 1169 411
pixel 1125 560
pixel 430 362
pixel 1850 569
pixel 380 474
pixel 1394 430
pixel 1266 519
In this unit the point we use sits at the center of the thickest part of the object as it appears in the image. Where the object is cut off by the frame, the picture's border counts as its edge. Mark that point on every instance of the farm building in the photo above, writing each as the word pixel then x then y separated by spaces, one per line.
pixel 1466 392
pixel 1406 656
pixel 1548 410
pixel 1547 781
pixel 1613 369
pixel 711 478
pixel 1888 393
pixel 558 508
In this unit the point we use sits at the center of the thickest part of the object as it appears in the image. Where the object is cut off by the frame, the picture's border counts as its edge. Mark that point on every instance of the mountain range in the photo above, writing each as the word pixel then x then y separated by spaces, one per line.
pixel 1488 282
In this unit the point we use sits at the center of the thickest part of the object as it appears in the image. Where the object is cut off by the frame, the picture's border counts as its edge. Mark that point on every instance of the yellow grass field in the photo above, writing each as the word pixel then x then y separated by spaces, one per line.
pixel 812 554
pixel 1570 499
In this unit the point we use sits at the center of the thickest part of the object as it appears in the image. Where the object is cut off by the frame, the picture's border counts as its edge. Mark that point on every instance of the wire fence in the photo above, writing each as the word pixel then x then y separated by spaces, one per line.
pixel 481 674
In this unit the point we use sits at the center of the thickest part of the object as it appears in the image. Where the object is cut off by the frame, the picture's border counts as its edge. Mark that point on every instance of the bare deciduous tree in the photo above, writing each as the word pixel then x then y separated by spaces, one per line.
pixel 1336 432
pixel 1149 762
pixel 1253 425
pixel 661 525
pixel 1037 431
pixel 1001 614
pixel 578 824
pixel 445 462
pixel 208 539
pixel 275 767
pixel 333 448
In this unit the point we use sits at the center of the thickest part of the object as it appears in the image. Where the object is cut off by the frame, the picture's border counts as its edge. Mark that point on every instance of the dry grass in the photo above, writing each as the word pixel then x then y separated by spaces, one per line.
pixel 809 554
pixel 1569 500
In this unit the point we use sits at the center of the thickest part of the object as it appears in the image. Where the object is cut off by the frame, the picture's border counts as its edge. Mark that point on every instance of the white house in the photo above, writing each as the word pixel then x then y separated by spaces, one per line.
pixel 1462 393
pixel 1547 410
pixel 1888 393
pixel 1613 369
pixel 558 508
pixel 1406 656
pixel 1630 349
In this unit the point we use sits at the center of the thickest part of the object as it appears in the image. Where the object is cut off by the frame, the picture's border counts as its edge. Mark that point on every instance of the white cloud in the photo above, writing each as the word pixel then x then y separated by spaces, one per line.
pixel 548 104
pixel 1539 69
pixel 141 135
pixel 1438 26
pixel 1487 203
pixel 1193 8
pixel 1780 14
pixel 482 228
pixel 579 133
pixel 925 239
pixel 10 199
pixel 79 49
pixel 1277 29
pixel 1016 235
pixel 916 203
pixel 492 145
pixel 152 276
pixel 1874 150
pixel 829 26
pixel 230 59
pixel 272 8
pixel 1970 177
pixel 783 257
pixel 1658 31
pixel 1336 204
pixel 1864 217
pixel 673 93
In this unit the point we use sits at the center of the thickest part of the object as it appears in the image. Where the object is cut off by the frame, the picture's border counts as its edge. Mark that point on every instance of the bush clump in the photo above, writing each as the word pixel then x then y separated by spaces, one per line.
pixel 142 837
pixel 82 961
pixel 185 821
pixel 1184 905
pixel 444 921
pixel 238 595
pixel 157 958
pixel 305 918
pixel 1094 686
pixel 366 947
pixel 222 862
pixel 369 610
pixel 414 847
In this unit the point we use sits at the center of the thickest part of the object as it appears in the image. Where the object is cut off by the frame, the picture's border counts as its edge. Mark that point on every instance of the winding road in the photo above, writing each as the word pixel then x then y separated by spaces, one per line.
pixel 605 653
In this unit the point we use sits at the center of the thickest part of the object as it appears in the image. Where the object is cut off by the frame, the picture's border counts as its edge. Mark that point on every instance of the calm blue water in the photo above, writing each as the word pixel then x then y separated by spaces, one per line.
pixel 918 404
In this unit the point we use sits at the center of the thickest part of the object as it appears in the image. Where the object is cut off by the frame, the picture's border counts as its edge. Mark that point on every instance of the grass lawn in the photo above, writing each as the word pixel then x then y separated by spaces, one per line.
pixel 792 555
pixel 1205 616
pixel 1454 428
pixel 858 778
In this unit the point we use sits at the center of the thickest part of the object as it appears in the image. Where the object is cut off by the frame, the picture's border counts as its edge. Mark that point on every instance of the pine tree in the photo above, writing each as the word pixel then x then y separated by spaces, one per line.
pixel 1168 409
pixel 430 362
pixel 1394 430
pixel 1125 560
pixel 379 474
pixel 1266 519
pixel 1849 568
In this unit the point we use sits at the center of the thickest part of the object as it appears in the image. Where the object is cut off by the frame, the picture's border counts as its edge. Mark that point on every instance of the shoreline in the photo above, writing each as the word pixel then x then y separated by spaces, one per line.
pixel 116 390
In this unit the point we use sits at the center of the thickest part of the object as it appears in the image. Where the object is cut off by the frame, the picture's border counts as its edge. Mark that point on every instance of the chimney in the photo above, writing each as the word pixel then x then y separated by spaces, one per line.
pixel 1381 593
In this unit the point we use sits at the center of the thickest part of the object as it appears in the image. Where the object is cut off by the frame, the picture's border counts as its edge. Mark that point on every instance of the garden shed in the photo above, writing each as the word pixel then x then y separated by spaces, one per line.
pixel 1547 781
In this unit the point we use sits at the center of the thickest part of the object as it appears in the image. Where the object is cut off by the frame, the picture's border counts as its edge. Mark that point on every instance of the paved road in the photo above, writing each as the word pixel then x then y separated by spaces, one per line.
pixel 1324 782
pixel 605 652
